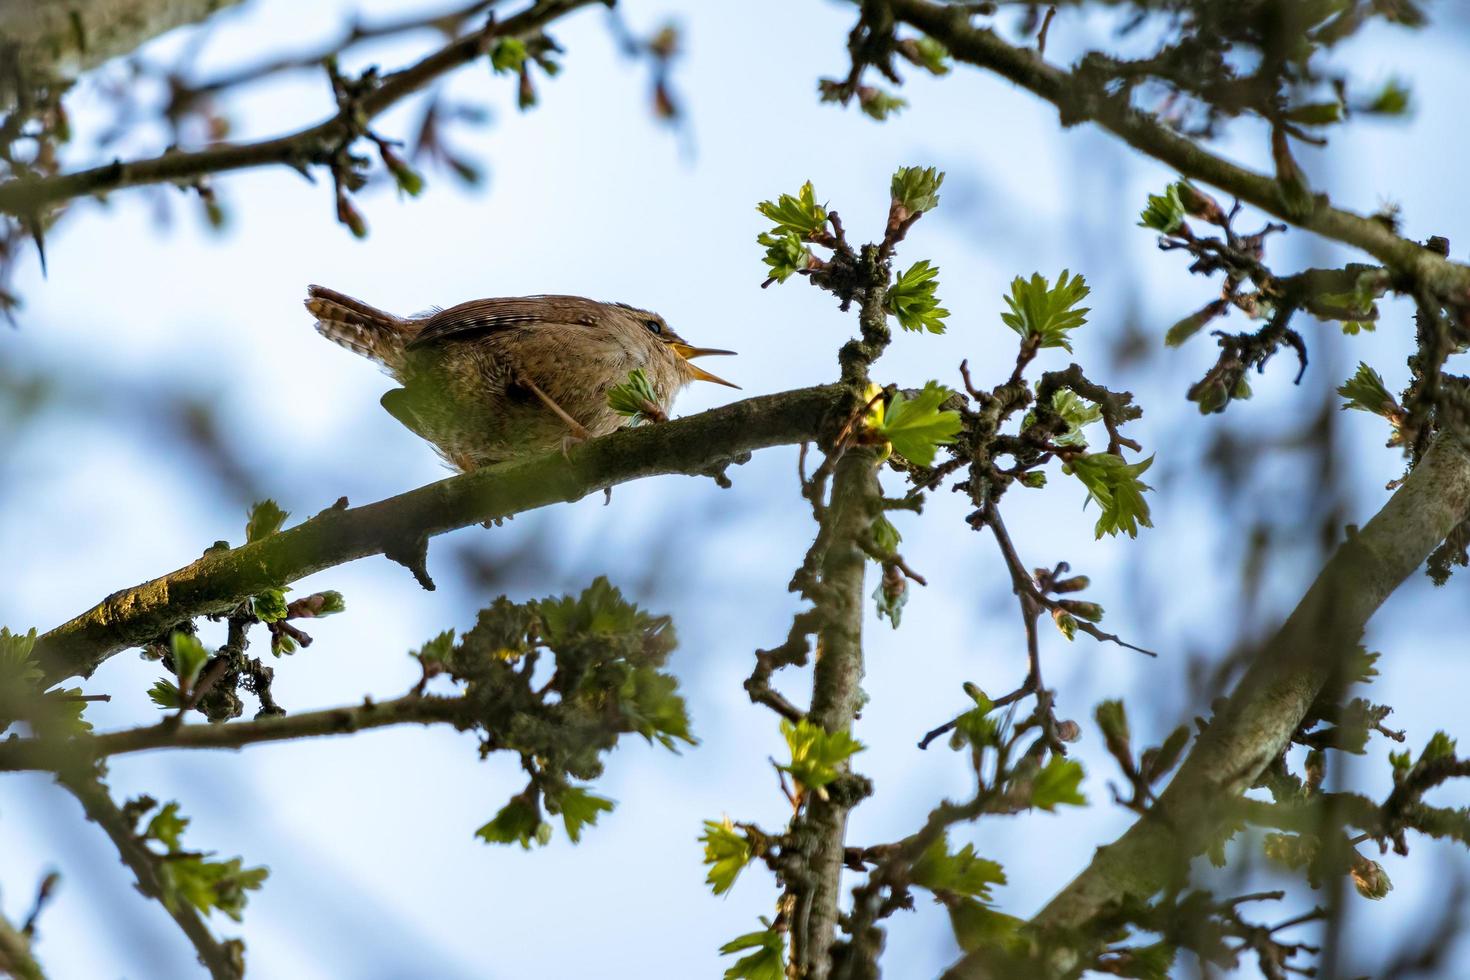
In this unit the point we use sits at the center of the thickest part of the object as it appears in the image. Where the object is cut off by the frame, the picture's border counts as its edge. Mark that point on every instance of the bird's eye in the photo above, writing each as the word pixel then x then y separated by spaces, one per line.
pixel 654 325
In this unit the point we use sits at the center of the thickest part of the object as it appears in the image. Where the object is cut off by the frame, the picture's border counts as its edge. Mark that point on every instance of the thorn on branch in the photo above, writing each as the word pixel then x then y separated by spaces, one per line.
pixel 412 552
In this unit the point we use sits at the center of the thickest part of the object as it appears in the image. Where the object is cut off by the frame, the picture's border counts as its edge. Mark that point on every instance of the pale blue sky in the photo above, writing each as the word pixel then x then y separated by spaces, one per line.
pixel 375 872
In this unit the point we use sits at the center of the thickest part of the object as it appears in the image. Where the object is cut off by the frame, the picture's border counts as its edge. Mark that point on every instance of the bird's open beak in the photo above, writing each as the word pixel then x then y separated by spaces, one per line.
pixel 689 353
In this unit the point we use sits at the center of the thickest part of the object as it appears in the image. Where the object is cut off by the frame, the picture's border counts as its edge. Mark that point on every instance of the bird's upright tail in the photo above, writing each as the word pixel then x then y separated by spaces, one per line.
pixel 353 324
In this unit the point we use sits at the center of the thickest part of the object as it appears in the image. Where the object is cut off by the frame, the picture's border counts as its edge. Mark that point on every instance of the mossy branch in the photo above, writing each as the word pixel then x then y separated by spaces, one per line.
pixel 219 581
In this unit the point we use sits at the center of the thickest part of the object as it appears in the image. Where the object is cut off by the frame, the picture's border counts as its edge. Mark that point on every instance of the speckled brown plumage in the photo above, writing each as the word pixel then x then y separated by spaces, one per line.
pixel 467 372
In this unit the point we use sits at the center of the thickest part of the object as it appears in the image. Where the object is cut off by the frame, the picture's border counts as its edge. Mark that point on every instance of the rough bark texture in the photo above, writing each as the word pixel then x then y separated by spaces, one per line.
pixel 836 697
pixel 65 37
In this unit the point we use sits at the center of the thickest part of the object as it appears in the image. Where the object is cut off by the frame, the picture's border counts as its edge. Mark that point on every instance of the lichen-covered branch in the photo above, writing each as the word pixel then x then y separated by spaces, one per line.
pixel 399 526
pixel 1286 677
pixel 64 38
pixel 315 144
pixel 40 753
pixel 1081 101
pixel 224 960
pixel 839 594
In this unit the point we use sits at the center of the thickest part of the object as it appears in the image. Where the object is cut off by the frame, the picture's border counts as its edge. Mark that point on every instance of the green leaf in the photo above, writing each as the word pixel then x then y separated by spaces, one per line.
pixel 1077 412
pixel 518 822
pixel 927 53
pixel 886 538
pixel 976 727
pixel 439 650
pixel 1316 113
pixel 508 55
pixel 1151 962
pixel 1115 485
pixel 635 398
pixel 1361 666
pixel 916 189
pixel 726 851
pixel 879 104
pixel 1044 314
pixel 1366 392
pixel 189 657
pixel 166 826
pixel 165 694
pixel 18 669
pixel 768 962
pixel 1057 783
pixel 654 709
pixel 1391 100
pixel 978 927
pixel 1164 212
pixel 600 611
pixel 579 809
pixel 1193 324
pixel 1066 623
pixel 816 754
pixel 960 873
pixel 265 519
pixel 785 254
pixel 912 298
pixel 270 606
pixel 1440 746
pixel 209 885
pixel 58 715
pixel 800 214
pixel 917 426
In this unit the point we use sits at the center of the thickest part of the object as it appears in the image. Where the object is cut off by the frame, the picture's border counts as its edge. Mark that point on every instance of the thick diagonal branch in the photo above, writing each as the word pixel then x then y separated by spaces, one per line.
pixel 1283 681
pixel 1080 101
pixel 27 195
pixel 219 581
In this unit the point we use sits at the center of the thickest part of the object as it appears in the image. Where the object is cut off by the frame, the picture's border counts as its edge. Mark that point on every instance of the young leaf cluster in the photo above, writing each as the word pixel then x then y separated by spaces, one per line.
pixel 1114 483
pixel 913 299
pixel 817 755
pixel 635 398
pixel 1044 315
pixel 605 681
pixel 189 877
pixel 915 427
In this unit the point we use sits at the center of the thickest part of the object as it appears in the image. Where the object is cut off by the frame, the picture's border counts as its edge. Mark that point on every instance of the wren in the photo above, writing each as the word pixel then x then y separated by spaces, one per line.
pixel 493 379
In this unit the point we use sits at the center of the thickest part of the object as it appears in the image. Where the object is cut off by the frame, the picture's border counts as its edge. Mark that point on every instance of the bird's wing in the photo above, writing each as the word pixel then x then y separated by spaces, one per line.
pixel 479 317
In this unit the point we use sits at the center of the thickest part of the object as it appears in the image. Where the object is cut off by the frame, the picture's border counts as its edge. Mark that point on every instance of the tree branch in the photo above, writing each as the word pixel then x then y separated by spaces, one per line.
pixel 80 34
pixel 18 754
pixel 1286 677
pixel 225 960
pixel 15 954
pixel 219 581
pixel 26 195
pixel 1078 101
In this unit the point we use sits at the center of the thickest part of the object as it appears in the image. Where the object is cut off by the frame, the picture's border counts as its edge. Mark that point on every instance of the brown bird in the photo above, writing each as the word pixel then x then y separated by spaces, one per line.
pixel 492 379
